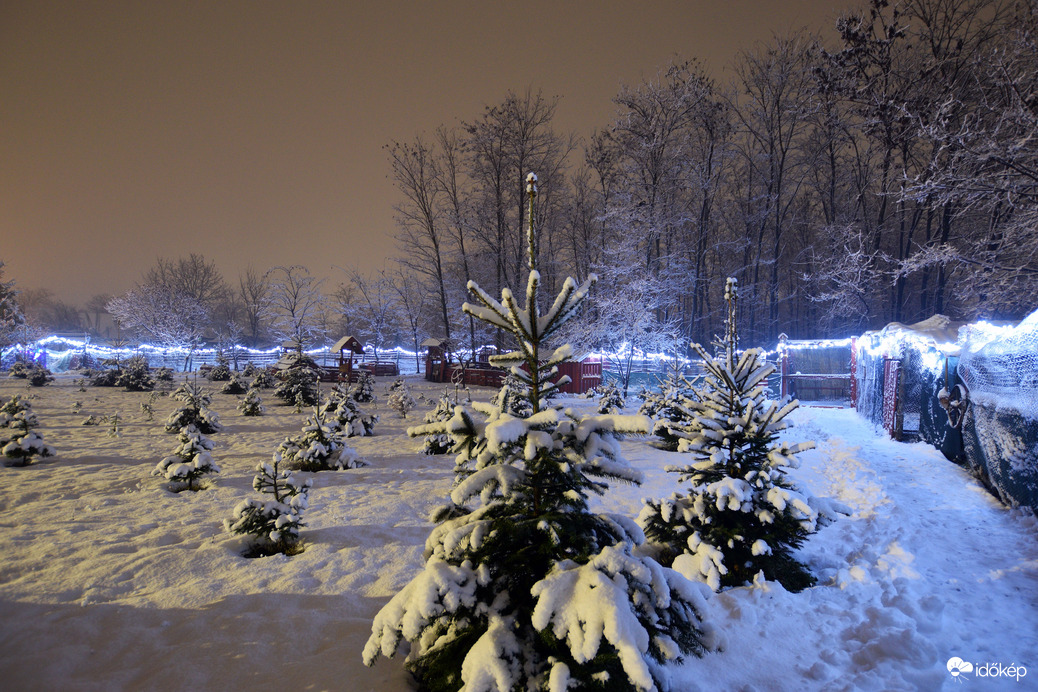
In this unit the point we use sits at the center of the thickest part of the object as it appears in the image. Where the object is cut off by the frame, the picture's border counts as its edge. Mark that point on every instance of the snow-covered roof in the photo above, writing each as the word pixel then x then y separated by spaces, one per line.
pixel 349 342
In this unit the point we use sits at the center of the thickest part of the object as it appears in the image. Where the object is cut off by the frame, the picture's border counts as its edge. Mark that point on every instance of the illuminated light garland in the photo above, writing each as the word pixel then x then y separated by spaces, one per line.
pixel 890 342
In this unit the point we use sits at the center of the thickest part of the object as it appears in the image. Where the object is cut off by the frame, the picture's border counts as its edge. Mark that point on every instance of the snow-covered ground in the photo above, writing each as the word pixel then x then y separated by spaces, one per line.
pixel 109 581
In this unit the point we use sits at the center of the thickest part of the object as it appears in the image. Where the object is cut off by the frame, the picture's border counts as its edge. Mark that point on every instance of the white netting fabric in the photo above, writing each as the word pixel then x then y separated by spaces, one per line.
pixel 1004 372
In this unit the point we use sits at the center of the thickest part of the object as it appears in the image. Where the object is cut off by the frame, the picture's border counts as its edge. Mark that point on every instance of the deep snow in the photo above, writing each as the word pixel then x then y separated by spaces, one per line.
pixel 109 581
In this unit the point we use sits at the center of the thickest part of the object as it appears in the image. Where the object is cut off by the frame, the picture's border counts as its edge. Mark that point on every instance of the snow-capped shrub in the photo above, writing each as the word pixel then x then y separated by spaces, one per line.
pixel 342 408
pixel 19 441
pixel 235 385
pixel 40 376
pixel 135 375
pixel 19 370
pixel 319 447
pixel 671 408
pixel 299 384
pixel 264 380
pixel 251 404
pixel 250 369
pixel 524 587
pixel 513 397
pixel 363 389
pixel 221 372
pixel 440 443
pixel 610 400
pixel 164 375
pixel 400 399
pixel 195 411
pixel 742 515
pixel 189 462
pixel 274 524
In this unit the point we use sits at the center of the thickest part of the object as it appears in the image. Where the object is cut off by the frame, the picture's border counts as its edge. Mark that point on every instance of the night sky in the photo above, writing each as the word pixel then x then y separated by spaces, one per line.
pixel 253 132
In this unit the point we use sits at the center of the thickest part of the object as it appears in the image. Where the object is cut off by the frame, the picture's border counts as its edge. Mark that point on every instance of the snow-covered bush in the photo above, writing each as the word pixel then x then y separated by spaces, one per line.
pixel 400 398
pixel 189 462
pixel 528 589
pixel 40 376
pixel 19 370
pixel 221 372
pixel 363 389
pixel 235 385
pixel 742 515
pixel 274 524
pixel 108 376
pixel 299 383
pixel 195 411
pixel 135 375
pixel 251 404
pixel 341 407
pixel 264 380
pixel 671 408
pixel 440 443
pixel 319 447
pixel 513 397
pixel 19 441
pixel 610 399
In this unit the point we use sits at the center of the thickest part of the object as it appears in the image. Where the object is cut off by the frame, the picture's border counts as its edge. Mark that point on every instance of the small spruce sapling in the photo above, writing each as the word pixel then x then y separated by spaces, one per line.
pixel 400 399
pixel 440 443
pixel 299 384
pixel 364 388
pixel 221 372
pixel 189 463
pixel 40 376
pixel 135 375
pixel 235 385
pixel 530 589
pixel 19 441
pixel 610 399
pixel 195 411
pixel 672 408
pixel 274 524
pixel 341 406
pixel 251 404
pixel 742 515
pixel 319 447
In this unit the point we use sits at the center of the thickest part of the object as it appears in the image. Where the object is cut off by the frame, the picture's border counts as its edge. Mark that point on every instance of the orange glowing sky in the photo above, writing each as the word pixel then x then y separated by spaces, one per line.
pixel 252 131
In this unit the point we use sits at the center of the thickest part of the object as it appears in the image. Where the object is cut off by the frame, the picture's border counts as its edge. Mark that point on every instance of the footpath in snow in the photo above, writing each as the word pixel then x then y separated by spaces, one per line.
pixel 109 581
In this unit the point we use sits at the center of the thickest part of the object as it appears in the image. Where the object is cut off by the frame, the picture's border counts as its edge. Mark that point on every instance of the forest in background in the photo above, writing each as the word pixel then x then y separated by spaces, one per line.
pixel 884 171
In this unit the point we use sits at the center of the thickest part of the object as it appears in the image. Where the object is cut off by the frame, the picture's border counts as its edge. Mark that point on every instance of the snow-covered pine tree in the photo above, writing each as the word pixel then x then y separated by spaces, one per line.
pixel 400 398
pixel 251 404
pixel 513 398
pixel 319 447
pixel 40 376
pixel 742 515
pixel 672 408
pixel 610 399
pixel 235 385
pixel 264 380
pixel 274 524
pixel 364 388
pixel 135 375
pixel 531 590
pixel 221 372
pixel 340 406
pixel 440 443
pixel 19 441
pixel 299 384
pixel 195 411
pixel 189 462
